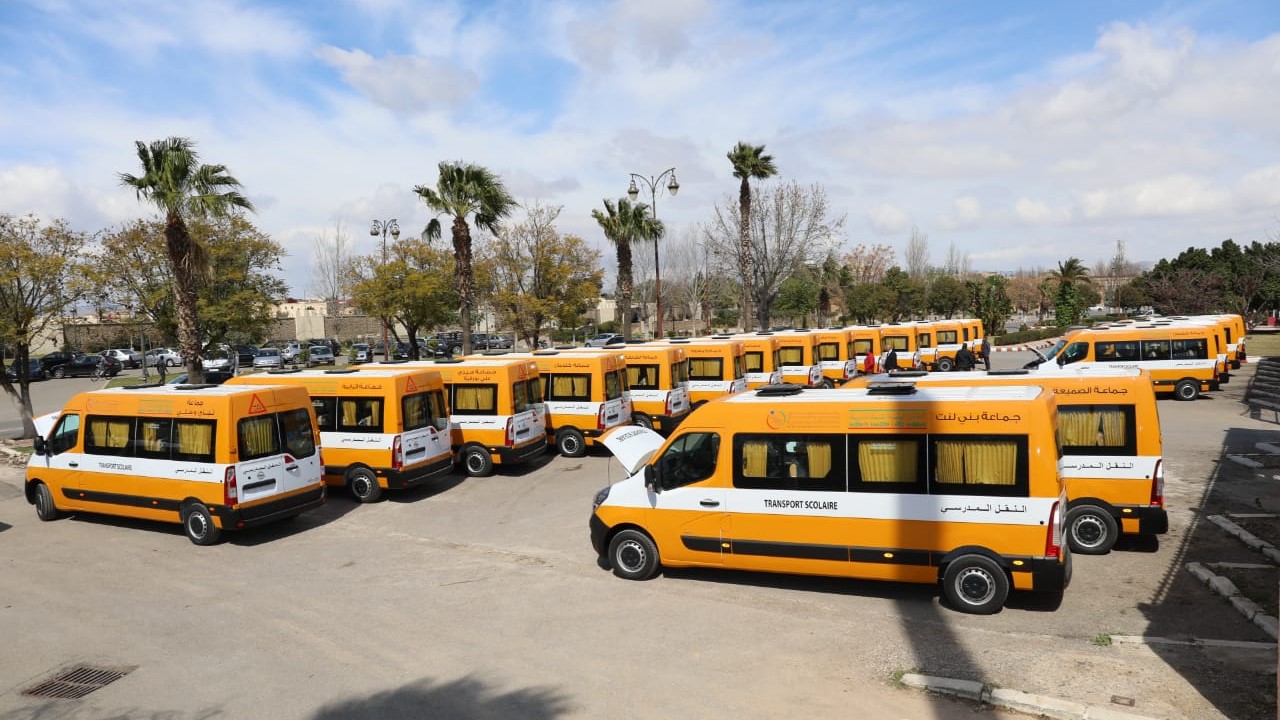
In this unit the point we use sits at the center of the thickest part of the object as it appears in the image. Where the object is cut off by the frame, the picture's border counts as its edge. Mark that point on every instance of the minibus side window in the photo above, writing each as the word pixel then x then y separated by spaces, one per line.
pixel 438 410
pixel 829 351
pixel 614 383
pixel 153 438
pixel 474 399
pixel 789 462
pixel 359 414
pixel 569 386
pixel 754 361
pixel 886 464
pixel 1155 350
pixel 689 459
pixel 739 369
pixel 924 340
pixel 1124 350
pixel 1098 430
pixel 642 377
pixel 1074 352
pixel 706 369
pixel 860 347
pixel 897 342
pixel 791 356
pixel 193 440
pixel 258 437
pixel 299 441
pixel 108 435
pixel 1196 349
pixel 979 465
pixel 326 412
pixel 64 436
pixel 947 337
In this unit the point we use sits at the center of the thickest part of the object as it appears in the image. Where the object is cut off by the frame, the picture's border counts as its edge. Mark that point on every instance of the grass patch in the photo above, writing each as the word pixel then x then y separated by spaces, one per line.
pixel 1263 345
pixel 898 675
pixel 1102 639
pixel 122 382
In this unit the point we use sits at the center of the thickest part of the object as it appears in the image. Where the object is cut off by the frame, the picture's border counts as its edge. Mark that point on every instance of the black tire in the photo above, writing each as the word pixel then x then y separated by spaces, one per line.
pixel 1091 530
pixel 633 555
pixel 46 510
pixel 975 584
pixel 571 443
pixel 826 384
pixel 1186 389
pixel 363 484
pixel 946 364
pixel 59 372
pixel 476 461
pixel 197 523
pixel 642 420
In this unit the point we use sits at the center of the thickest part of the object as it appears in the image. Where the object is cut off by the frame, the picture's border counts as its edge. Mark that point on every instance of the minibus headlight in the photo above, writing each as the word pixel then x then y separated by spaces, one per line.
pixel 600 498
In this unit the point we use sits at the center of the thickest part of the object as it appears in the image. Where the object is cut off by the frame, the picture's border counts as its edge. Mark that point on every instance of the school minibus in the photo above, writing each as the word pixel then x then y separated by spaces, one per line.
pixel 889 483
pixel 495 407
pixel 835 356
pixel 1226 350
pixel 584 392
pixel 716 366
pixel 760 359
pixel 1113 463
pixel 943 337
pixel 798 358
pixel 657 382
pixel 864 340
pixel 900 337
pixel 971 330
pixel 380 430
pixel 210 457
pixel 1179 359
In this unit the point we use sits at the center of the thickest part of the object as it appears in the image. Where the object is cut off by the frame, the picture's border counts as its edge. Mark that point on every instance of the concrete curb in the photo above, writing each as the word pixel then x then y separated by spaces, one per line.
pixel 1191 642
pixel 1253 541
pixel 1016 700
pixel 1227 589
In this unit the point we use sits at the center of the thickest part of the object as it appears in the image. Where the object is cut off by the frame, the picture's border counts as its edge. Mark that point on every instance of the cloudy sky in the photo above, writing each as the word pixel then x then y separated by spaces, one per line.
pixel 1024 132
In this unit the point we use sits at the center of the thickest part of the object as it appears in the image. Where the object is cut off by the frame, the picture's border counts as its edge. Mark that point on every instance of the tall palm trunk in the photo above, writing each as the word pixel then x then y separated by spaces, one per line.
pixel 744 206
pixel 186 286
pixel 462 255
pixel 625 285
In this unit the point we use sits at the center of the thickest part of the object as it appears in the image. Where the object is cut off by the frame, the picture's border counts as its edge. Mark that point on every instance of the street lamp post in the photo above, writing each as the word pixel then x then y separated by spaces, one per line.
pixel 382 227
pixel 633 192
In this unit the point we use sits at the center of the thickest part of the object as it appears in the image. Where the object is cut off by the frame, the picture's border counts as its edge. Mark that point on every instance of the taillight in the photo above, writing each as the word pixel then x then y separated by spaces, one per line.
pixel 511 432
pixel 669 404
pixel 1157 485
pixel 230 490
pixel 397 454
pixel 1053 538
pixel 600 419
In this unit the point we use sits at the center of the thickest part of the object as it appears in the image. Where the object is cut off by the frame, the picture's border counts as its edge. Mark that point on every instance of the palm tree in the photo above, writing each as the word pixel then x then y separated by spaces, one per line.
pixel 749 161
pixel 624 224
pixel 180 187
pixel 465 189
pixel 1069 278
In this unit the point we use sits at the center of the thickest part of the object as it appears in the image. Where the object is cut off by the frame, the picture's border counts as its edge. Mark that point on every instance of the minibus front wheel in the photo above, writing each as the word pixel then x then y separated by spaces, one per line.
pixel 1186 389
pixel 198 524
pixel 43 500
pixel 633 555
pixel 975 584
pixel 364 484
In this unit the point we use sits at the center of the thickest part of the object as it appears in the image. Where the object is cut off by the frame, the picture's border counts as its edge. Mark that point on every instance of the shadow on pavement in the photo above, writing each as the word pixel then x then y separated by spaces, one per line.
pixel 462 699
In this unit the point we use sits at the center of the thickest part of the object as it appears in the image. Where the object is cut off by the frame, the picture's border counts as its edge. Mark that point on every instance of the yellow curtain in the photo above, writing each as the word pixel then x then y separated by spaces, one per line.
pixel 113 434
pixel 151 440
pixel 819 455
pixel 375 412
pixel 861 347
pixel 829 351
pixel 1078 426
pixel 950 462
pixel 887 461
pixel 348 412
pixel 991 462
pixel 195 438
pixel 924 340
pixel 1111 422
pixel 258 436
pixel 415 411
pixel 755 362
pixel 948 337
pixel 705 368
pixel 475 398
pixel 755 458
pixel 790 356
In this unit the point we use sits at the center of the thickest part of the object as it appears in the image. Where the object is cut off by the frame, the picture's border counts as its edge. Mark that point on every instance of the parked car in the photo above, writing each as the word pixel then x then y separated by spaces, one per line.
pixel 35 371
pixel 211 377
pixel 225 359
pixel 54 359
pixel 290 352
pixel 400 349
pixel 334 346
pixel 604 339
pixel 89 366
pixel 268 358
pixel 361 353
pixel 128 358
pixel 319 355
pixel 246 354
pixel 168 356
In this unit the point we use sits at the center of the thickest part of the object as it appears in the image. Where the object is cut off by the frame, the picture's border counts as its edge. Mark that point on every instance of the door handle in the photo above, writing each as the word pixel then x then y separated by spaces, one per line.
pixel 291 467
pixel 74 464
pixel 709 503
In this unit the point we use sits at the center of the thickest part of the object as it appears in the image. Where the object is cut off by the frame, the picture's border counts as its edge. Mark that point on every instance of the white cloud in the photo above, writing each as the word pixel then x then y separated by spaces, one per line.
pixel 403 83
pixel 888 219
pixel 966 214
pixel 1035 212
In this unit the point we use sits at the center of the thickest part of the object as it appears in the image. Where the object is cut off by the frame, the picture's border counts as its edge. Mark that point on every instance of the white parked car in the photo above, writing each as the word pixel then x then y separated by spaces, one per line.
pixel 224 358
pixel 126 357
pixel 361 352
pixel 168 356
pixel 289 353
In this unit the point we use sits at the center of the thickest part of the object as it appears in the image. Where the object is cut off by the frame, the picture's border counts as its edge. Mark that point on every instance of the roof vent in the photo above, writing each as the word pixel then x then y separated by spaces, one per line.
pixel 341 371
pixel 889 387
pixel 780 390
pixel 1009 371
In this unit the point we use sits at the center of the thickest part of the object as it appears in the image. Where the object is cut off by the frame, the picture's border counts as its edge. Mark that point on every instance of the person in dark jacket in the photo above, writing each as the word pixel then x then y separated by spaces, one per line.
pixel 984 353
pixel 891 360
pixel 964 358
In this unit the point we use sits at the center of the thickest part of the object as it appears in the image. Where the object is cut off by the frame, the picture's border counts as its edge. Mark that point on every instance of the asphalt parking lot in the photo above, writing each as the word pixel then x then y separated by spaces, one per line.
pixel 481 598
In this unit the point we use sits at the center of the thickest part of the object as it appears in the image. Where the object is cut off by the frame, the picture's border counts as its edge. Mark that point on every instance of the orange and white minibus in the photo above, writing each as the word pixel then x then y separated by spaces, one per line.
pixel 211 457
pixel 760 358
pixel 657 382
pixel 947 485
pixel 380 430
pixel 716 367
pixel 835 355
pixel 943 344
pixel 798 358
pixel 900 337
pixel 1180 359
pixel 1113 463
pixel 496 415
pixel 864 340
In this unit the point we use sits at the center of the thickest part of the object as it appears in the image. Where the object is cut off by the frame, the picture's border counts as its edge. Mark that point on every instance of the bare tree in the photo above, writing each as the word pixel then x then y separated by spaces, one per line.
pixel 692 272
pixel 957 264
pixel 868 263
pixel 330 271
pixel 790 228
pixel 916 255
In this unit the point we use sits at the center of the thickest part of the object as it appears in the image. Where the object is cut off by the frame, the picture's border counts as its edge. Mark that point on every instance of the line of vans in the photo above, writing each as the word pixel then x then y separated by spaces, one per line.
pixel 210 457
pixel 657 382
pixel 951 485
pixel 1109 430
pixel 380 429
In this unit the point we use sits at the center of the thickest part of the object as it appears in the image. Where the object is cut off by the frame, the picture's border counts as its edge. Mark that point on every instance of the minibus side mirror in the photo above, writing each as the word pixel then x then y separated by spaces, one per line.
pixel 1062 359
pixel 651 480
pixel 39 446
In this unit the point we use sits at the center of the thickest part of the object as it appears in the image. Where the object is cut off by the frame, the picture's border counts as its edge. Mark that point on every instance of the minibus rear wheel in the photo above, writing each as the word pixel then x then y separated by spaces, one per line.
pixel 198 524
pixel 1091 530
pixel 975 584
pixel 476 461
pixel 641 420
pixel 945 365
pixel 43 498
pixel 570 442
pixel 1186 389
pixel 633 555
pixel 364 484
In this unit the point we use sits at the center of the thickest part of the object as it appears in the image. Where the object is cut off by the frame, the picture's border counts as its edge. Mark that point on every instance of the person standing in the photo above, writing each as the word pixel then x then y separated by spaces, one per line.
pixel 984 353
pixel 891 360
pixel 964 358
pixel 162 367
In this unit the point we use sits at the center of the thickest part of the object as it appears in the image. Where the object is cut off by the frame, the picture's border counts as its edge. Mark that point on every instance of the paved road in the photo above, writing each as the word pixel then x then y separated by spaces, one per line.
pixel 481 598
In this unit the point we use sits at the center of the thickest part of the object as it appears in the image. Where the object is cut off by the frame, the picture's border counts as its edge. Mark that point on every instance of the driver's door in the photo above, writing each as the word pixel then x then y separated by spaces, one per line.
pixel 690 518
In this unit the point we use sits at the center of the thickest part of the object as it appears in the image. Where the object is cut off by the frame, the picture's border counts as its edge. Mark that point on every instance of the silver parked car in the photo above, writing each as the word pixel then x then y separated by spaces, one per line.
pixel 319 355
pixel 168 356
pixel 126 357
pixel 268 359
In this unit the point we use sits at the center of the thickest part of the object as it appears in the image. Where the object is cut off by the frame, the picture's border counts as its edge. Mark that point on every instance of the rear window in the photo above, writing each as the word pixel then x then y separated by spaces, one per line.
pixel 299 441
pixel 418 411
pixel 706 369
pixel 257 437
pixel 791 356
pixel 614 384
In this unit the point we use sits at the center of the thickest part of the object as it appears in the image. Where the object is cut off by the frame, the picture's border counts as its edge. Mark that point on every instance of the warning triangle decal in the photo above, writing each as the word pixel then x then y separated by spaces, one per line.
pixel 410 386
pixel 256 406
